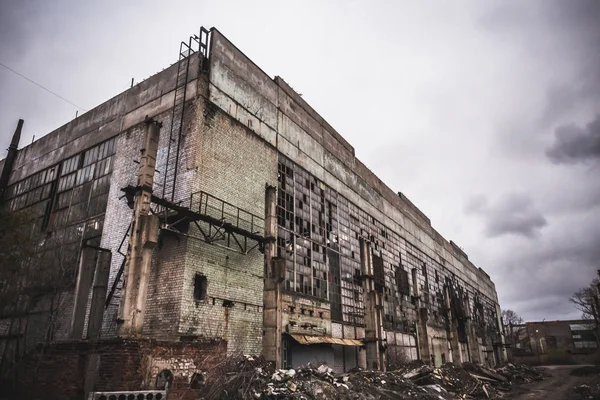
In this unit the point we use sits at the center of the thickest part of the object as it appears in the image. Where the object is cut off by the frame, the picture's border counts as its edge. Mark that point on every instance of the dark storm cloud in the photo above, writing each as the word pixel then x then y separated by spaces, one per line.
pixel 576 144
pixel 513 214
pixel 538 280
pixel 552 127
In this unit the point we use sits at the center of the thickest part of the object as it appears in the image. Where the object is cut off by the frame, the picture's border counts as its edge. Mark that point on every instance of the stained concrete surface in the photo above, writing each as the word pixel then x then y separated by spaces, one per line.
pixel 557 386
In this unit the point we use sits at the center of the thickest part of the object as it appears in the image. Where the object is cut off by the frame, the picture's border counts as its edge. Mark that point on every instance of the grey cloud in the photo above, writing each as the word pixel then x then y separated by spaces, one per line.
pixel 577 24
pixel 540 278
pixel 476 204
pixel 556 48
pixel 576 144
pixel 513 214
pixel 565 40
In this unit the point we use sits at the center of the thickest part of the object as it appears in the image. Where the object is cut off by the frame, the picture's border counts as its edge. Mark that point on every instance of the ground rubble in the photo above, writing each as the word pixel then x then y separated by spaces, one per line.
pixel 473 381
pixel 590 388
pixel 254 378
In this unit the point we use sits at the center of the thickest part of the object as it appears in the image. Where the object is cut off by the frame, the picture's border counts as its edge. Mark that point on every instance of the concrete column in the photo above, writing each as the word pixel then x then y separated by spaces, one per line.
pixel 423 334
pixel 502 354
pixel 85 275
pixel 452 328
pixel 99 295
pixel 373 312
pixel 91 372
pixel 143 239
pixel 474 350
pixel 274 274
pixel 11 155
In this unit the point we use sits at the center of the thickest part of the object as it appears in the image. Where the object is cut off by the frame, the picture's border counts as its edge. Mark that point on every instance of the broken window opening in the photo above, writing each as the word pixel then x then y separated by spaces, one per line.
pixel 402 281
pixel 164 379
pixel 200 287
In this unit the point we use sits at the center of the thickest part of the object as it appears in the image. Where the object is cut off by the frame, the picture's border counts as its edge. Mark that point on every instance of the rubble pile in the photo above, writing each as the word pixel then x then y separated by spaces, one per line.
pixel 590 388
pixel 520 373
pixel 254 378
pixel 460 382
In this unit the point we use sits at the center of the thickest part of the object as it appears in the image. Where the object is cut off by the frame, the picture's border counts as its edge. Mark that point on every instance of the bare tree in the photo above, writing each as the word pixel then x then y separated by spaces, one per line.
pixel 509 320
pixel 509 317
pixel 586 300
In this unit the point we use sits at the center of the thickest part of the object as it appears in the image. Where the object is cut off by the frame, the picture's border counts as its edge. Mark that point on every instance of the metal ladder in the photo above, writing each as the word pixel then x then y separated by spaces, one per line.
pixel 186 50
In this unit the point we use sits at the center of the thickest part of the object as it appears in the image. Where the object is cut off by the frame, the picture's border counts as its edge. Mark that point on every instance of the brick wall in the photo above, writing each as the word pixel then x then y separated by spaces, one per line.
pixel 118 214
pixel 58 371
pixel 234 165
pixel 165 285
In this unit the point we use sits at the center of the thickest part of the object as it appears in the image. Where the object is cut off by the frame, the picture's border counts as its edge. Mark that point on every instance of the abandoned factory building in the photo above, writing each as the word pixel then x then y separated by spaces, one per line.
pixel 210 201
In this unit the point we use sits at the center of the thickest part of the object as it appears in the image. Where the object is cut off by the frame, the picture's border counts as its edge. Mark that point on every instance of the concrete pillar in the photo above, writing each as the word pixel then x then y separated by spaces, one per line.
pixel 11 155
pixel 452 328
pixel 423 333
pixel 91 372
pixel 85 275
pixel 274 274
pixel 502 354
pixel 99 295
pixel 474 350
pixel 143 239
pixel 472 342
pixel 374 333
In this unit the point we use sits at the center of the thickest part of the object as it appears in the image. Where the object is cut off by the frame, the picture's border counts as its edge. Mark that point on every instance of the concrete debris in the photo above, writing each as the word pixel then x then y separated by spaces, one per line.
pixel 473 380
pixel 254 378
pixel 512 373
pixel 589 389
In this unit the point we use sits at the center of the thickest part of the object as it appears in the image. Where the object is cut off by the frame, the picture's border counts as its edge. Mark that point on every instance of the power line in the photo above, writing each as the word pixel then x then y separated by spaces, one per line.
pixel 46 89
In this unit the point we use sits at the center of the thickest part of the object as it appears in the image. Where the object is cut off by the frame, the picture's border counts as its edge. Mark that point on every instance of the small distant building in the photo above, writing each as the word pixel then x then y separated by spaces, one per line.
pixel 554 342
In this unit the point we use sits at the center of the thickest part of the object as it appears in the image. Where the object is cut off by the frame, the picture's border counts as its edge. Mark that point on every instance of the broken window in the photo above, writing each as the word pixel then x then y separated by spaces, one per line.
pixel 402 281
pixel 415 282
pixel 200 287
pixel 379 274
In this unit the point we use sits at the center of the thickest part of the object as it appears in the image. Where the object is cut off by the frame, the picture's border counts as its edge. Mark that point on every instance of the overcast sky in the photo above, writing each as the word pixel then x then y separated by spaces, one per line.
pixel 485 114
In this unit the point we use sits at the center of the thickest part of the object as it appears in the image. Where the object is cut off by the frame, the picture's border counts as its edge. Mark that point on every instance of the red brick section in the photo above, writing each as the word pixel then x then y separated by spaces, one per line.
pixel 57 370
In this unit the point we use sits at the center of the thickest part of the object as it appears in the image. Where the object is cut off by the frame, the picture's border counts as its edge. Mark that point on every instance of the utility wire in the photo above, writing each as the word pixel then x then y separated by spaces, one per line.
pixel 46 89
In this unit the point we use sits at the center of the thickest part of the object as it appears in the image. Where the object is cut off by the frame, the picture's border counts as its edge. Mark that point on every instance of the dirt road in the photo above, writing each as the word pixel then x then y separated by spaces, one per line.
pixel 558 386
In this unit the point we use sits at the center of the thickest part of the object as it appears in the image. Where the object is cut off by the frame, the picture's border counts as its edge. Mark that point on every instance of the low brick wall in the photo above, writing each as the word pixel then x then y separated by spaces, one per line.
pixel 59 370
